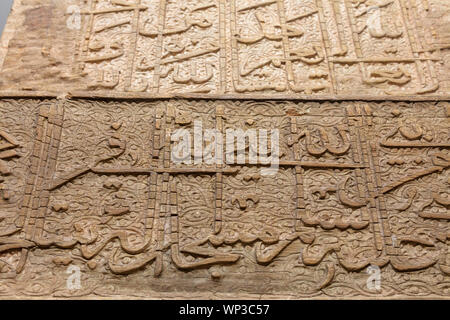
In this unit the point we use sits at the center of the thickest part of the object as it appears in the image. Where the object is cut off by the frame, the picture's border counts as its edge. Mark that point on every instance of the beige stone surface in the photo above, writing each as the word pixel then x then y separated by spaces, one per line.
pixel 271 48
pixel 92 203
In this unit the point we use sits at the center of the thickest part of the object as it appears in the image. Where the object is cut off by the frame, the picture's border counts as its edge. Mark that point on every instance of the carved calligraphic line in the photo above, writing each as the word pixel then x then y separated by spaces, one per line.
pixel 422 40
pixel 113 25
pixel 325 39
pixel 8 154
pixel 336 18
pixel 61 181
pixel 113 10
pixel 181 58
pixel 11 142
pixel 434 215
pixel 223 46
pixel 380 60
pixel 310 164
pixel 411 177
pixel 205 7
pixel 137 171
pixel 254 6
pixel 159 46
pixel 161 170
pixel 314 164
pixel 111 56
pixel 191 55
pixel 414 144
pixel 301 16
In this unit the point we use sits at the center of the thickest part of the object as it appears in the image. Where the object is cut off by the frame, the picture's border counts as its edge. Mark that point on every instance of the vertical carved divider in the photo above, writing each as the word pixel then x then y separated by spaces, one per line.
pixel 157 179
pixel 357 136
pixel 219 177
pixel 43 164
pixel 326 44
pixel 159 53
pixel 169 183
pixel 223 49
pixel 298 173
pixel 360 120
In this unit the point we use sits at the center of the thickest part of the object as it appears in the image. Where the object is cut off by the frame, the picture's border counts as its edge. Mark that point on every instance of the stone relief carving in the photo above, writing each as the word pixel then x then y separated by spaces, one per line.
pixel 357 91
pixel 241 47
pixel 360 184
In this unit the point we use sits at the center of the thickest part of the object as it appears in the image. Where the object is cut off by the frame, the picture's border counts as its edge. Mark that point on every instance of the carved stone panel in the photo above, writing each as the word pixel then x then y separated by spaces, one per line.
pixel 283 149
pixel 91 185
pixel 246 48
